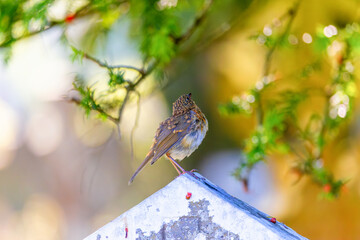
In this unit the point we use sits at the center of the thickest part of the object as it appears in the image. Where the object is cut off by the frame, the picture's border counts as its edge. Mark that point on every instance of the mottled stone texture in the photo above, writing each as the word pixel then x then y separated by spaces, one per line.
pixel 210 213
pixel 196 225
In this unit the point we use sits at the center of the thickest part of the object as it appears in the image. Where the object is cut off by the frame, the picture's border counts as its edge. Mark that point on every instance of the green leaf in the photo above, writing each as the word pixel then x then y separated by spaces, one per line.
pixel 354 42
pixel 77 55
pixel 161 47
pixel 87 101
pixel 115 78
pixel 321 42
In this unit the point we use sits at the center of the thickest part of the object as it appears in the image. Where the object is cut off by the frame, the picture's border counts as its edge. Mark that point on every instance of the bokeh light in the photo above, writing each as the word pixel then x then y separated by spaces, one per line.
pixel 39 71
pixel 8 134
pixel 44 131
pixel 64 174
pixel 330 31
pixel 307 38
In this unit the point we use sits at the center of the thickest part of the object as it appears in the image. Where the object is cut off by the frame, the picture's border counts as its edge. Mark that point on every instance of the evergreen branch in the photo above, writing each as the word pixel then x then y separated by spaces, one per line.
pixel 197 22
pixel 77 101
pixel 105 65
pixel 83 11
pixel 146 73
pixel 143 73
pixel 111 118
pixel 30 34
pixel 291 13
pixel 270 125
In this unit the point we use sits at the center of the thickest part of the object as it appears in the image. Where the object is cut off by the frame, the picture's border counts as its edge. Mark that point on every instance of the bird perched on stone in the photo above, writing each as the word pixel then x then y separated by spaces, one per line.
pixel 178 136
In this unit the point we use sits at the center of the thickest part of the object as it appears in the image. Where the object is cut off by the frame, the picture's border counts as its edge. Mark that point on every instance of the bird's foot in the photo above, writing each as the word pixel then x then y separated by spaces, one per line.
pixel 191 173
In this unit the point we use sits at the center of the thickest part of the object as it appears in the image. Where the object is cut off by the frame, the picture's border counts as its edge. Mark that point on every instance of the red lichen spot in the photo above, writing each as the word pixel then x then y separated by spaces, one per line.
pixel 126 232
pixel 273 220
pixel 188 195
pixel 327 188
pixel 69 18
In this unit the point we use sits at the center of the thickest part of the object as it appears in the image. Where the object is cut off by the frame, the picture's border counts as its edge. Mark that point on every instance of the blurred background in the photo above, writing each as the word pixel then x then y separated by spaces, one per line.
pixel 63 174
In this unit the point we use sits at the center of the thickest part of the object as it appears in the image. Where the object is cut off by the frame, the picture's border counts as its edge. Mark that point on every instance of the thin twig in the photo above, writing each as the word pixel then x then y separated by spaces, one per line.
pixel 122 107
pixel 178 41
pixel 105 65
pixel 143 72
pixel 196 24
pixel 291 13
pixel 99 110
pixel 111 118
pixel 146 73
pixel 79 13
pixel 268 57
pixel 137 116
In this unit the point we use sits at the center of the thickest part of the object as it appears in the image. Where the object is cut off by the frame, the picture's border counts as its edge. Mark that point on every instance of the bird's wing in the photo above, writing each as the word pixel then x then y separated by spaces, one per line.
pixel 170 132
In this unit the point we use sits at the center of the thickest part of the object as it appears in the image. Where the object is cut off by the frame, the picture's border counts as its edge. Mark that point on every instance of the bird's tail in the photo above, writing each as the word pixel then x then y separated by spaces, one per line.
pixel 142 165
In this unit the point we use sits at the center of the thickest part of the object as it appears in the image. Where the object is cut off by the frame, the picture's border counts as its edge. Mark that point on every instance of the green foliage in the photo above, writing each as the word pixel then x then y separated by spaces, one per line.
pixel 155 29
pixel 116 79
pixel 268 137
pixel 104 6
pixel 241 104
pixel 353 38
pixel 87 101
pixel 161 29
pixel 277 115
pixel 310 69
pixel 36 13
pixel 331 188
pixel 77 55
pixel 20 17
pixel 321 42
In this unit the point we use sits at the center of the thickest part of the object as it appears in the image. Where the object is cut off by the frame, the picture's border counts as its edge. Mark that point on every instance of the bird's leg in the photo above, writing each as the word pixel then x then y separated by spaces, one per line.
pixel 177 167
pixel 175 164
pixel 179 172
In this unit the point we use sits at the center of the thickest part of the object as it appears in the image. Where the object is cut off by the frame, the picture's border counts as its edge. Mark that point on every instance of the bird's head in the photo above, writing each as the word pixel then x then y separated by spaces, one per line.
pixel 183 104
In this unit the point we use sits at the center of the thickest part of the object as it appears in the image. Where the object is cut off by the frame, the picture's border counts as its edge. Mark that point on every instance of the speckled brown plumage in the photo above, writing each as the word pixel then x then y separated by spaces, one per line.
pixel 179 135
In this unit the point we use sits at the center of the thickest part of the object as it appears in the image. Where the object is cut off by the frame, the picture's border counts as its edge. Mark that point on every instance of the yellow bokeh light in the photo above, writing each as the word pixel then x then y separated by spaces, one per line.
pixel 42 219
pixel 44 131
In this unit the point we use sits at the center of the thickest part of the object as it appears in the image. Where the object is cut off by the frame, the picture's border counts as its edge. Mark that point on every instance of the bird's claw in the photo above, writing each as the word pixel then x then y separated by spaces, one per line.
pixel 191 173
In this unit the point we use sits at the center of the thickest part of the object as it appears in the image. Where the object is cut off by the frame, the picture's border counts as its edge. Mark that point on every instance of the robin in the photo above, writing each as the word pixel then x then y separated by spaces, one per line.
pixel 178 136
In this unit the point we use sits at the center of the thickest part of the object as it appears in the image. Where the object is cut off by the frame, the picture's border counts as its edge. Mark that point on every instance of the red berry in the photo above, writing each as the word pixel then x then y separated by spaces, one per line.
pixel 246 185
pixel 340 59
pixel 69 18
pixel 273 220
pixel 188 195
pixel 327 188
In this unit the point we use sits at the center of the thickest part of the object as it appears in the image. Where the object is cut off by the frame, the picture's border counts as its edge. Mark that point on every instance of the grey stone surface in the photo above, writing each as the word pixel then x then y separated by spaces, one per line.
pixel 210 213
